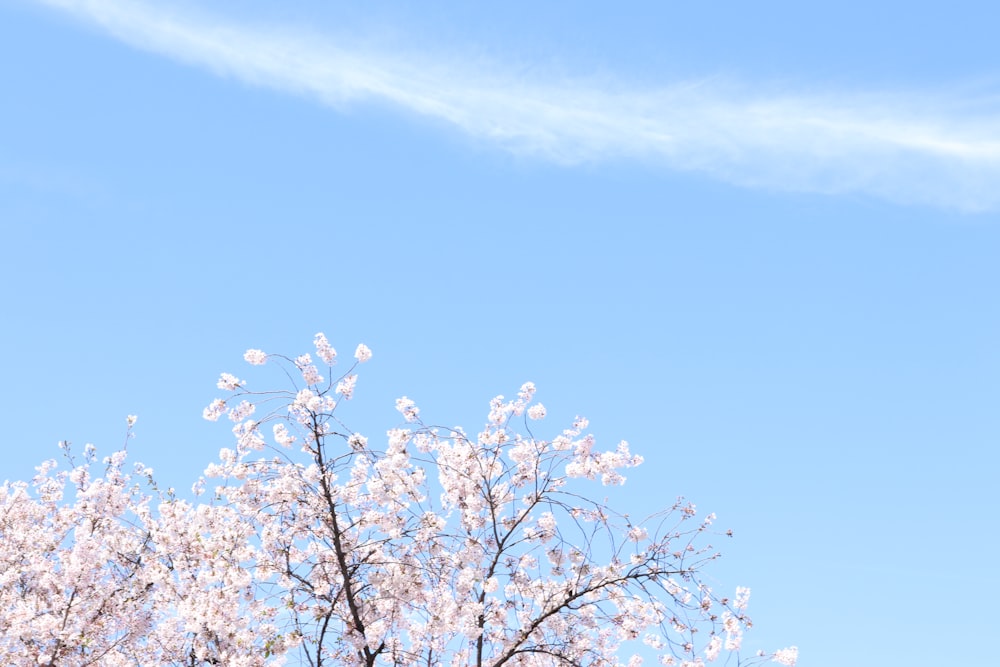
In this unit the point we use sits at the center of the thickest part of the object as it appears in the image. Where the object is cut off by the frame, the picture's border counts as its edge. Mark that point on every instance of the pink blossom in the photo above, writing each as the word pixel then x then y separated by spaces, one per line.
pixel 407 408
pixel 255 357
pixel 229 382
pixel 241 411
pixel 309 373
pixel 323 349
pixel 742 598
pixel 786 656
pixel 346 386
pixel 357 442
pixel 282 436
pixel 638 534
pixel 713 648
pixel 362 353
pixel 214 410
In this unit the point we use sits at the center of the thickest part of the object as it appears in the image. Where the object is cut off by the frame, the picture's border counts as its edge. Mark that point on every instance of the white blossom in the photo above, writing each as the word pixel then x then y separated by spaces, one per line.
pixel 255 357
pixel 324 350
pixel 536 411
pixel 786 656
pixel 362 353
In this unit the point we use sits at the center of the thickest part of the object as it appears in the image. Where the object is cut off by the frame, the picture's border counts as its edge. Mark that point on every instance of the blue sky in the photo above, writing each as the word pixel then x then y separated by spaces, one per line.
pixel 757 241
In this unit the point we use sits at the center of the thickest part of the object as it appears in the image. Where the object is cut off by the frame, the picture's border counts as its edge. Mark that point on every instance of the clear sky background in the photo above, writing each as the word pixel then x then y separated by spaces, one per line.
pixel 760 241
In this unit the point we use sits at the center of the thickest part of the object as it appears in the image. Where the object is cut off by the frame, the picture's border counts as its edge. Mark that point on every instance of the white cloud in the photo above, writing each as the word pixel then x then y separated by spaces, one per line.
pixel 914 148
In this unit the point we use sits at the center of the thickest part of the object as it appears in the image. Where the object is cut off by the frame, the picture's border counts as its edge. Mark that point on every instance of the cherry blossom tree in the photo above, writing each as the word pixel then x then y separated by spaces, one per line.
pixel 314 544
pixel 71 574
pixel 100 581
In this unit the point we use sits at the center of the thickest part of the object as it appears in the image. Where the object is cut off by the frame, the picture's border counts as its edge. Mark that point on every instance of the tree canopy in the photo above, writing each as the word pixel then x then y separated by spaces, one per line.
pixel 309 543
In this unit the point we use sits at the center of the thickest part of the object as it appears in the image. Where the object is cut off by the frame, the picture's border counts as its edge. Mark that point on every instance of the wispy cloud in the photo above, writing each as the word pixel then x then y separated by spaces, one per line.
pixel 913 148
